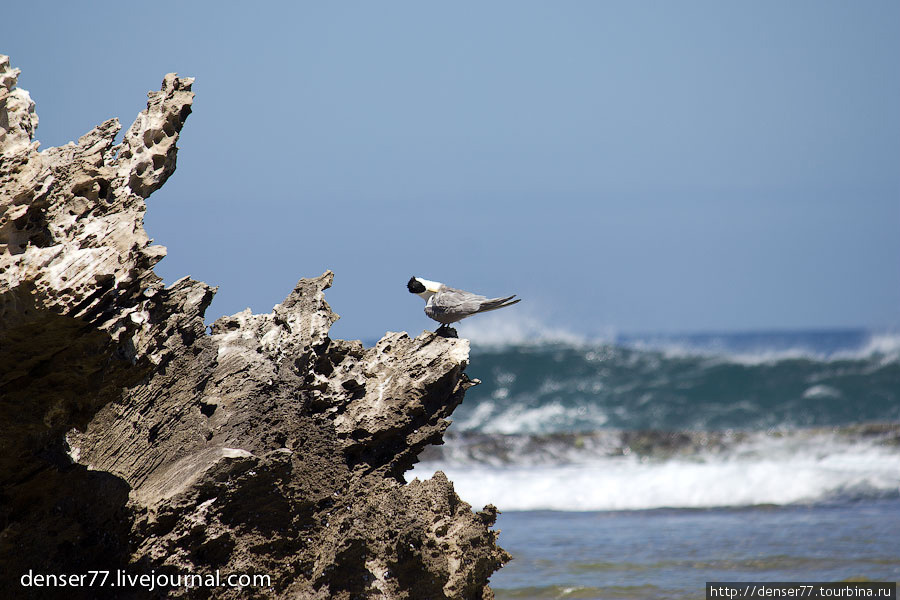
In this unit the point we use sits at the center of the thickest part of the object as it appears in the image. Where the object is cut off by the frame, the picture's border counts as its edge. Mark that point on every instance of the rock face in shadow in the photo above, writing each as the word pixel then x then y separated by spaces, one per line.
pixel 130 438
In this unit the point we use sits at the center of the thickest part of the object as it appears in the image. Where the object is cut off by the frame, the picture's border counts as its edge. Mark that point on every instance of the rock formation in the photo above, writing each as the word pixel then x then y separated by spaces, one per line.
pixel 131 439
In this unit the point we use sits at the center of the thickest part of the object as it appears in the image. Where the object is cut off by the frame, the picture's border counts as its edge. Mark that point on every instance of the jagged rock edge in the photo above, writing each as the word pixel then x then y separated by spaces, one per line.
pixel 145 326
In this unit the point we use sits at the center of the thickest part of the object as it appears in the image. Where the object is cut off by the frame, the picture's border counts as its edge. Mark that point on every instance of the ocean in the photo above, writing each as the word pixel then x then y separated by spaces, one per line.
pixel 645 466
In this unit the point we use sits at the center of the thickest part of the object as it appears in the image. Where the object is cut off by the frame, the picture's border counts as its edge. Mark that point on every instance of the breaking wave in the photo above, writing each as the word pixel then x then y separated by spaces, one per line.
pixel 617 470
pixel 702 383
pixel 565 422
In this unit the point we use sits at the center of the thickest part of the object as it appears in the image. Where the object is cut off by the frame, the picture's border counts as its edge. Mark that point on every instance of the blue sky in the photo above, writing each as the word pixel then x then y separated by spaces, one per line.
pixel 623 166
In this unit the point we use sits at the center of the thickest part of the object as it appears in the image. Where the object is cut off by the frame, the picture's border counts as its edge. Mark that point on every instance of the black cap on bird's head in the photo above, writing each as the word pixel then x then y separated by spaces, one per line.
pixel 415 286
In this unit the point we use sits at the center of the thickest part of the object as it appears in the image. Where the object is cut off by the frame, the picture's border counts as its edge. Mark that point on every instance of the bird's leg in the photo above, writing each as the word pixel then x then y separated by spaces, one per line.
pixel 446 331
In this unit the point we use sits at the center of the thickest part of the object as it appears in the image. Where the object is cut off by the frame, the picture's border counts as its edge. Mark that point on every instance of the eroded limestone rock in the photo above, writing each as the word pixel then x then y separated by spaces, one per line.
pixel 132 439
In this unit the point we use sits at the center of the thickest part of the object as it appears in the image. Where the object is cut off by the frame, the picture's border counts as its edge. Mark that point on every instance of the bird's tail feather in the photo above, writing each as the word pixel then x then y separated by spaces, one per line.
pixel 496 303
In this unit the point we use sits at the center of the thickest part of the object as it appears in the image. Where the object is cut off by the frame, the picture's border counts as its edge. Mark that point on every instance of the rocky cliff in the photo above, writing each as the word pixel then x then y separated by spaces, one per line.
pixel 132 439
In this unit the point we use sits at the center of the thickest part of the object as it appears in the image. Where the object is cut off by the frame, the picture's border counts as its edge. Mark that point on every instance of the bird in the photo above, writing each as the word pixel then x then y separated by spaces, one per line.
pixel 447 305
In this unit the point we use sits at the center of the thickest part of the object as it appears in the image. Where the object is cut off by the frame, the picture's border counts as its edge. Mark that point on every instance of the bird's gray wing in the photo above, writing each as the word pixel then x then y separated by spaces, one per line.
pixel 450 304
pixel 495 303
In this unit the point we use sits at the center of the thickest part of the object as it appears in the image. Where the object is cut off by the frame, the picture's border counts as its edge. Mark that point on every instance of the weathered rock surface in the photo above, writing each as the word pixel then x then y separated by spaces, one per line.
pixel 130 438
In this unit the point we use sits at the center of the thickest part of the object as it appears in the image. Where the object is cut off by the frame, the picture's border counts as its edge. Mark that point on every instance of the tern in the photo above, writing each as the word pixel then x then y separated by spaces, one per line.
pixel 447 305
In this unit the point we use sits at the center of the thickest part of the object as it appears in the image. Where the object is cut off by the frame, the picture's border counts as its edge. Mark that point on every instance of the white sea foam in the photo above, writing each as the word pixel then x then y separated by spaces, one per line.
pixel 507 329
pixel 483 412
pixel 674 349
pixel 885 346
pixel 763 471
pixel 548 416
pixel 553 415
pixel 821 391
